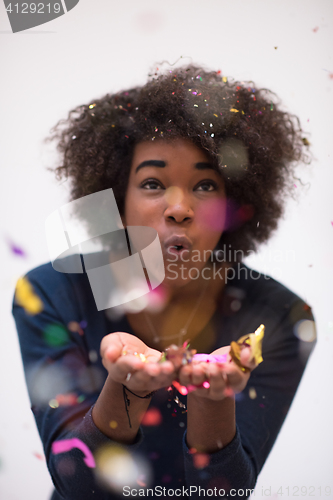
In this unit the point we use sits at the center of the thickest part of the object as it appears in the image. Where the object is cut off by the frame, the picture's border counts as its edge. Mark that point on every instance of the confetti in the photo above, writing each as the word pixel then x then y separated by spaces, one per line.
pixel 116 466
pixel 200 460
pixel 27 298
pixel 152 417
pixel 16 250
pixel 74 326
pixel 252 393
pixel 305 330
pixel 141 481
pixel 211 358
pixel 68 444
pixel 180 388
pixel 69 399
pixel 252 340
pixel 233 110
pixel 55 335
pixel 93 356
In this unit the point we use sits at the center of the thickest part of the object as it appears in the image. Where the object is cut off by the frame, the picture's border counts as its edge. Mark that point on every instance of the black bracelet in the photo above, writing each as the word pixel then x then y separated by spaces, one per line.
pixel 128 402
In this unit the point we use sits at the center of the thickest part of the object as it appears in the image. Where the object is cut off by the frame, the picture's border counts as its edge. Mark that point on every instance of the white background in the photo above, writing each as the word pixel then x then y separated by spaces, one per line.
pixel 104 45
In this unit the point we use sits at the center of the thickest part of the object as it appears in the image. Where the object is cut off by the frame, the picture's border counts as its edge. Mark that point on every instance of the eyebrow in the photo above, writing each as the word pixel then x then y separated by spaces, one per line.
pixel 161 164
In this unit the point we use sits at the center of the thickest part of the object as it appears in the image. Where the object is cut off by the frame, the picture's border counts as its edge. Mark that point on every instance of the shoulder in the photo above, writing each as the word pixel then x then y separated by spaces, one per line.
pixel 61 290
pixel 251 299
pixel 266 292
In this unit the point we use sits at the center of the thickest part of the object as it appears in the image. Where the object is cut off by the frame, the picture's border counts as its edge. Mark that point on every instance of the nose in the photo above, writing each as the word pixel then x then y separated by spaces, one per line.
pixel 179 211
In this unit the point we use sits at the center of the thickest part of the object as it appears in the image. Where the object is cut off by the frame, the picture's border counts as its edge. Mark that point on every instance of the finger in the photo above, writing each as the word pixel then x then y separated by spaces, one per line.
pixel 237 379
pixel 185 375
pixel 153 355
pixel 247 359
pixel 198 374
pixel 217 380
pixel 112 345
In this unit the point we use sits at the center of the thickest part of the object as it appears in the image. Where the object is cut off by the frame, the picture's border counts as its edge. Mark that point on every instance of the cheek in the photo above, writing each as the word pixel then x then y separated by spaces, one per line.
pixel 139 211
pixel 212 215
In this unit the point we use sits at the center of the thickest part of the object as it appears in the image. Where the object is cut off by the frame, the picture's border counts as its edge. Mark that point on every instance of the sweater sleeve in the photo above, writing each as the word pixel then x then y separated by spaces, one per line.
pixel 263 405
pixel 63 385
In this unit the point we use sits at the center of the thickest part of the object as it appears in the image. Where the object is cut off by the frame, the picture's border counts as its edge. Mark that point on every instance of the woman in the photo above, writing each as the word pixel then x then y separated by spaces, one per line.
pixel 206 164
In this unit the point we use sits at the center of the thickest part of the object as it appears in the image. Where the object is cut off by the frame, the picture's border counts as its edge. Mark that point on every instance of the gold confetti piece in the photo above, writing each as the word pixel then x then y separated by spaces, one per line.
pixel 224 79
pixel 252 393
pixel 136 354
pixel 233 110
pixel 253 340
pixel 26 297
pixel 92 106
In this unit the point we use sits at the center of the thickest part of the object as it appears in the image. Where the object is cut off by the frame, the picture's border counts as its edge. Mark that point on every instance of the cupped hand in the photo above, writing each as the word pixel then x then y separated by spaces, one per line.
pixel 225 379
pixel 120 354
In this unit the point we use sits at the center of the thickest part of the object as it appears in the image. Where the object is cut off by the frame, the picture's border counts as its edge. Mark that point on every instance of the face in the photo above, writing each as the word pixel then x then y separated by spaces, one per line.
pixel 174 189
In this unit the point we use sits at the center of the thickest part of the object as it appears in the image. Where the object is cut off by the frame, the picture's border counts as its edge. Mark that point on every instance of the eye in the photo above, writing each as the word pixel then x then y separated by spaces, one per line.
pixel 151 184
pixel 207 186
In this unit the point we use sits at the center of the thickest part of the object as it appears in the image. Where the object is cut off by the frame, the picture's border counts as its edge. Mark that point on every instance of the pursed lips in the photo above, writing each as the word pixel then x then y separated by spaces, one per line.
pixel 177 244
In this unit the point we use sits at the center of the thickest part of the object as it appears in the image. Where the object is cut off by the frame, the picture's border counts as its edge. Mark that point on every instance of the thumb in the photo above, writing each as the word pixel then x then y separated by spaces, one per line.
pixel 247 359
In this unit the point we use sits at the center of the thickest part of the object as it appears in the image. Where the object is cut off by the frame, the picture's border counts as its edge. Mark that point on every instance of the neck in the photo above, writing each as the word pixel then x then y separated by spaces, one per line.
pixel 181 291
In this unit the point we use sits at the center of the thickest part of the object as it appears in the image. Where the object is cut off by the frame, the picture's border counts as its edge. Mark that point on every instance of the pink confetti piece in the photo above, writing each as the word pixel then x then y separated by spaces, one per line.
pixel 68 444
pixel 211 358
pixel 180 388
pixel 200 460
pixel 152 417
pixel 190 388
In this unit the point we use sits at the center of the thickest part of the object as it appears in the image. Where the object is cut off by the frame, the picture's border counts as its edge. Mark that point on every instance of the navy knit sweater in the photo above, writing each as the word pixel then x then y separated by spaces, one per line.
pixel 59 361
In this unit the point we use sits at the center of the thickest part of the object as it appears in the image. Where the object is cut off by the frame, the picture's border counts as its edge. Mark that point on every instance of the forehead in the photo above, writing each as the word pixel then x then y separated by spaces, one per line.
pixel 177 149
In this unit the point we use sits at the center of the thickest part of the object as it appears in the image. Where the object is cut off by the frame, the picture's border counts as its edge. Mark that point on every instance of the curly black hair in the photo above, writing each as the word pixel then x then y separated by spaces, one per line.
pixel 254 145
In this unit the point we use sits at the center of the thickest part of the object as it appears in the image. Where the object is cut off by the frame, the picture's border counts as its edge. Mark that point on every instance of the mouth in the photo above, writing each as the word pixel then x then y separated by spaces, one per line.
pixel 178 246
